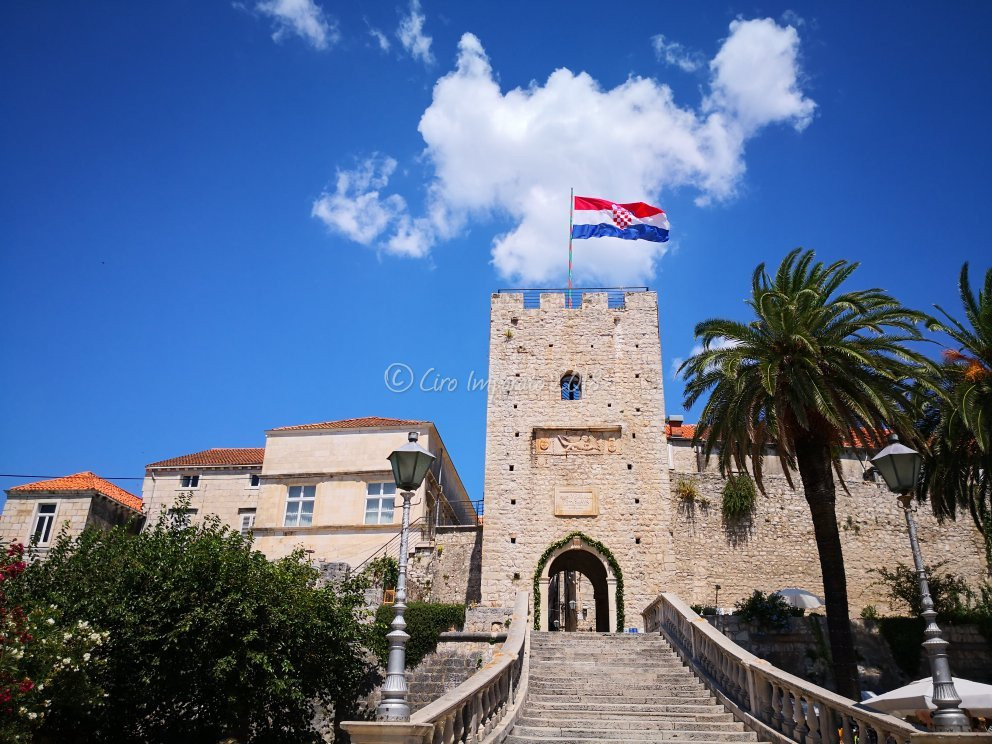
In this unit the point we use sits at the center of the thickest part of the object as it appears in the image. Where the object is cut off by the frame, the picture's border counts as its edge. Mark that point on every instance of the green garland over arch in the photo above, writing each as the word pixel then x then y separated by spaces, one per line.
pixel 596 545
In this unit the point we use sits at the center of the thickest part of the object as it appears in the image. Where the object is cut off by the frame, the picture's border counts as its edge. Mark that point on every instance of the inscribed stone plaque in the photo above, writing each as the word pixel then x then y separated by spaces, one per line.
pixel 576 501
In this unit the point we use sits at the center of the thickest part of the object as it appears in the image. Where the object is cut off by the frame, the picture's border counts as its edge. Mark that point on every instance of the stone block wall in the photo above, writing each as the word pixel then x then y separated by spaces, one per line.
pixel 17 521
pixel 777 550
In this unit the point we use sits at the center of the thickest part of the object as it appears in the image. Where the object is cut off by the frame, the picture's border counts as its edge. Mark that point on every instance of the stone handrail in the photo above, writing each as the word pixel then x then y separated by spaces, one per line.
pixel 471 712
pixel 778 705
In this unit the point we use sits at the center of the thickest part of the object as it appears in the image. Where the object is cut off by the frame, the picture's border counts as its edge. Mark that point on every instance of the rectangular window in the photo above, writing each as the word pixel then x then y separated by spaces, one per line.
pixel 379 501
pixel 247 522
pixel 253 480
pixel 43 521
pixel 299 506
pixel 189 481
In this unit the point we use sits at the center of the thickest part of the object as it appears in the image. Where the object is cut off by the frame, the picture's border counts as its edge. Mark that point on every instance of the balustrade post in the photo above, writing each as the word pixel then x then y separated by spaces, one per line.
pixel 788 717
pixel 827 725
pixel 800 730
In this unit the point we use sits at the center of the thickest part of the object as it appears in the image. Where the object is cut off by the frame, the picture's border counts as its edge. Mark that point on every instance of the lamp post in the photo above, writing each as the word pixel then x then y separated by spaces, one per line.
pixel 900 467
pixel 410 463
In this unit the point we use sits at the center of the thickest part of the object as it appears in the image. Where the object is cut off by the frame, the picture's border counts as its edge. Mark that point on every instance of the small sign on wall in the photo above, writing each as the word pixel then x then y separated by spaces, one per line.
pixel 576 501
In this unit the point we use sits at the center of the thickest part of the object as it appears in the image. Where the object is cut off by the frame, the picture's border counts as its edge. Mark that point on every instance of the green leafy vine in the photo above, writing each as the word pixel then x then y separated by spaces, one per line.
pixel 595 545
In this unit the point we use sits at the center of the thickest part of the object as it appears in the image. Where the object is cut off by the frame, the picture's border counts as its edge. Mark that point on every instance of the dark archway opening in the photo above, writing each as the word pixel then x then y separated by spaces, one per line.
pixel 573 574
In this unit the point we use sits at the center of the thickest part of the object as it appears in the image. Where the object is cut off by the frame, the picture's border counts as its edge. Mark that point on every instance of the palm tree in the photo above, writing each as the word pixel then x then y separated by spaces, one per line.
pixel 957 470
pixel 814 366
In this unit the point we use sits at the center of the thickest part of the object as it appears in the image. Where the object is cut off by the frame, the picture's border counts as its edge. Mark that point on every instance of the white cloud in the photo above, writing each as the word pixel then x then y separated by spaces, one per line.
pixel 380 39
pixel 301 17
pixel 411 34
pixel 355 208
pixel 756 76
pixel 516 153
pixel 673 53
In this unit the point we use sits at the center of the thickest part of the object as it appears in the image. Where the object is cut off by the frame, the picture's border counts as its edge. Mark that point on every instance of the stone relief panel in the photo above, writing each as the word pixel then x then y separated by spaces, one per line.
pixel 589 441
pixel 576 501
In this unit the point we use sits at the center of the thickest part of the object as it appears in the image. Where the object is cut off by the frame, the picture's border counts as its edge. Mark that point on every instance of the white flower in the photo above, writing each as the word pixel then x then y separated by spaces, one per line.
pixel 50 621
pixel 32 715
pixel 67 661
pixel 86 656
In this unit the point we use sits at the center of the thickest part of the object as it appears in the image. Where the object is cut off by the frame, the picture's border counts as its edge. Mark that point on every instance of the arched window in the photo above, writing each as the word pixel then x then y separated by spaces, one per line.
pixel 571 386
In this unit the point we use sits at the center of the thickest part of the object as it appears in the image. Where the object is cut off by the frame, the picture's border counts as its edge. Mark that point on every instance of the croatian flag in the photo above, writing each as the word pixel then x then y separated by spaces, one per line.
pixel 600 218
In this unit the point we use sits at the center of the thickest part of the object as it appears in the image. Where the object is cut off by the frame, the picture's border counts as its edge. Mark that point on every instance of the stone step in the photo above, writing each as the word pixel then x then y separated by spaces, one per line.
pixel 624 709
pixel 598 687
pixel 631 722
pixel 563 734
pixel 594 701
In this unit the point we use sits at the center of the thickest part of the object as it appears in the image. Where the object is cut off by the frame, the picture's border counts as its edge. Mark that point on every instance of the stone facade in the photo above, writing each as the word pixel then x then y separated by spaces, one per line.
pixel 340 463
pixel 595 465
pixel 222 491
pixel 602 465
pixel 44 509
pixel 776 548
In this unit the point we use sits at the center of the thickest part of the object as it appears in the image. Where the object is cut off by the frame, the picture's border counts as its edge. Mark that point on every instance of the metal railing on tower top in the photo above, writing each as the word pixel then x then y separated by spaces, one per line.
pixel 615 296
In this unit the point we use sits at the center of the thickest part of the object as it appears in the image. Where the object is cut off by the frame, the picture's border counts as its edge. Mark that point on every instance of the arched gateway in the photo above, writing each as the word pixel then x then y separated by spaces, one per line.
pixel 577 553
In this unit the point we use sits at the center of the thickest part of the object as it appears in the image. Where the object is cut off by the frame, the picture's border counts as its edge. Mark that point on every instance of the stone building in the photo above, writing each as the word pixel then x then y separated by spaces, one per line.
pixel 40 511
pixel 223 481
pixel 584 474
pixel 328 488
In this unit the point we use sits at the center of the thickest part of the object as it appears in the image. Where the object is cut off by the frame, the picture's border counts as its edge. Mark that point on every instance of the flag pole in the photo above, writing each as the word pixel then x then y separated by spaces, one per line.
pixel 571 210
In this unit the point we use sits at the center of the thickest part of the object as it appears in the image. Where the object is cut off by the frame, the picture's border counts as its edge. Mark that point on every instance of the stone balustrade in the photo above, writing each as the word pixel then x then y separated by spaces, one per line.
pixel 777 705
pixel 478 710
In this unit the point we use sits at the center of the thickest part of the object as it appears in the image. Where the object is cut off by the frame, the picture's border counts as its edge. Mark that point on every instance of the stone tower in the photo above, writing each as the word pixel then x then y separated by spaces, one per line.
pixel 575 443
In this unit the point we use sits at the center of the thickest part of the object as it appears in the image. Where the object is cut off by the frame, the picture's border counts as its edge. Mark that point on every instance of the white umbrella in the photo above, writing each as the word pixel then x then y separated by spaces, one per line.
pixel 976 697
pixel 800 598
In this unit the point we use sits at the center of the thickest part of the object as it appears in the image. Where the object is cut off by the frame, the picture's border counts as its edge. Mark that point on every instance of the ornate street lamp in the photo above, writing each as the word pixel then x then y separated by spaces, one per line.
pixel 900 467
pixel 410 463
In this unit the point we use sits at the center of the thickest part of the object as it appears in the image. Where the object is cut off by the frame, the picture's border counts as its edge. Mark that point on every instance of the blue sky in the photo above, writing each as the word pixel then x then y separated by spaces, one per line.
pixel 217 218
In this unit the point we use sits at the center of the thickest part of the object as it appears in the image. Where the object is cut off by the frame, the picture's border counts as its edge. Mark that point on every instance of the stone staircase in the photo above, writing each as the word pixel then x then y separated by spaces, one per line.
pixel 604 688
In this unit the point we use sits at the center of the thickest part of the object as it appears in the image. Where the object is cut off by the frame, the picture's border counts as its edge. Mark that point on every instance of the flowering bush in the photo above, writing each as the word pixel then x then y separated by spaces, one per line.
pixel 47 664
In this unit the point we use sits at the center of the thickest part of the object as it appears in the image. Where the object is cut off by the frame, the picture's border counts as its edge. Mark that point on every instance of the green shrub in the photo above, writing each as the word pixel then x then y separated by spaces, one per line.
pixel 739 498
pixel 384 571
pixel 767 611
pixel 869 613
pixel 950 592
pixel 703 609
pixel 686 491
pixel 425 622
pixel 206 638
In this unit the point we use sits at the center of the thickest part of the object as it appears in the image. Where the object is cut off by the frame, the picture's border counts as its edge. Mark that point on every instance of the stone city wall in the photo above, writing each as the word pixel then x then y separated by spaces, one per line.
pixel 776 548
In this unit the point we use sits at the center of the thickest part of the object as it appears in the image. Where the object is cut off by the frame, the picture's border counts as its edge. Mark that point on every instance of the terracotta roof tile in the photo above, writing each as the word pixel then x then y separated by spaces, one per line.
pixel 685 431
pixel 366 422
pixel 85 481
pixel 863 440
pixel 218 456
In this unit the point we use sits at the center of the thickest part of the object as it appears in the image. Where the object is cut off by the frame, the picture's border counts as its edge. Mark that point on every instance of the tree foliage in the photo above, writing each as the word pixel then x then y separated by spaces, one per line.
pixel 207 638
pixel 767 611
pixel 425 621
pixel 949 591
pixel 957 421
pixel 814 365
